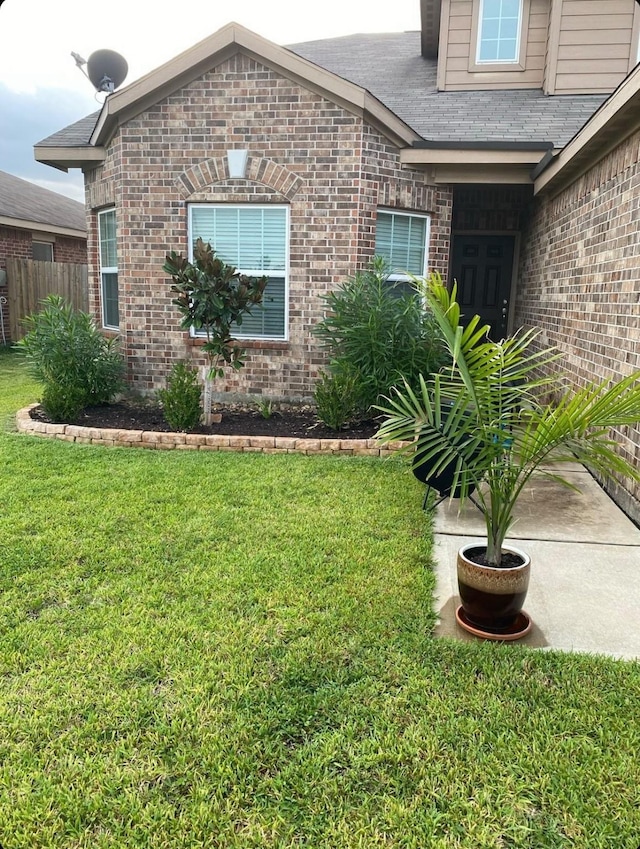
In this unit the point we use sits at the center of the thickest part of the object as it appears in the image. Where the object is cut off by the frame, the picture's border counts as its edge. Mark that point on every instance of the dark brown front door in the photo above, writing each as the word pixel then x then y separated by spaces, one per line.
pixel 483 266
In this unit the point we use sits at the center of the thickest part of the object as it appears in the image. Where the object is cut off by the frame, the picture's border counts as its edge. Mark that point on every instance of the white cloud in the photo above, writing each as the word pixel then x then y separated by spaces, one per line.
pixel 38 36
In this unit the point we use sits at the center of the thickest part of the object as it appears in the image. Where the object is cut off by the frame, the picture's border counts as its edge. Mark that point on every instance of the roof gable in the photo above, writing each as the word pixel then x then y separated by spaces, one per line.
pixel 616 119
pixel 202 57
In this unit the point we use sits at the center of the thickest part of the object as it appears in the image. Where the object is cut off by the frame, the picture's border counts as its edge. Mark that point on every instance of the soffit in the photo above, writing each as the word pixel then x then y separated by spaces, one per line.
pixel 466 162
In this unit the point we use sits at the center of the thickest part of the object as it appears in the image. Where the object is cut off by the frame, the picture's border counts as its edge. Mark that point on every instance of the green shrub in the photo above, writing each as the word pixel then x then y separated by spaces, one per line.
pixel 62 403
pixel 181 399
pixel 68 354
pixel 338 398
pixel 375 330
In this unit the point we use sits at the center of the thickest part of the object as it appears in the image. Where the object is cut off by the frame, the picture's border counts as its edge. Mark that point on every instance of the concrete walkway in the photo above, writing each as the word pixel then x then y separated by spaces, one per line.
pixel 584 591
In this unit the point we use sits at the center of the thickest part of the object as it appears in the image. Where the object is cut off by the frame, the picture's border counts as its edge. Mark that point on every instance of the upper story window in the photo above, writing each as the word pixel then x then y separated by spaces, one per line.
pixel 499 28
pixel 254 239
pixel 402 238
pixel 108 269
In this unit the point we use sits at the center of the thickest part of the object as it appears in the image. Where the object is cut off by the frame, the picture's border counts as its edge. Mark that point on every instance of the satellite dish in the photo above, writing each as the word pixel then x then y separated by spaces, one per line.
pixel 107 70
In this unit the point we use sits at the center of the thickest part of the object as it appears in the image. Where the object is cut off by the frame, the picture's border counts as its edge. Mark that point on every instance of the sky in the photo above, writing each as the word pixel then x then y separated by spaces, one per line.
pixel 42 90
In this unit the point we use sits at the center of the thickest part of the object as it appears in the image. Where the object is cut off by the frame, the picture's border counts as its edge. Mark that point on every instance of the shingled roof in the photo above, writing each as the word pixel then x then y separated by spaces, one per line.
pixel 75 135
pixel 25 202
pixel 391 67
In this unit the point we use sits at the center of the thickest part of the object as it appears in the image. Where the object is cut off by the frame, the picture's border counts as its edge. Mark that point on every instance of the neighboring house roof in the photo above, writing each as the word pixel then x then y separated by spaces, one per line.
pixel 27 206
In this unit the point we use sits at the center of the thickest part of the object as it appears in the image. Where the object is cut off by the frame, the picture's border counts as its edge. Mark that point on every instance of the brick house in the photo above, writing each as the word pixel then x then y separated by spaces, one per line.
pixel 38 224
pixel 492 146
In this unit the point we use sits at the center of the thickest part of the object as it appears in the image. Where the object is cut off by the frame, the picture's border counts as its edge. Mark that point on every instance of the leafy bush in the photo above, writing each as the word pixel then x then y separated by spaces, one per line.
pixel 181 399
pixel 375 330
pixel 213 296
pixel 62 403
pixel 68 354
pixel 338 398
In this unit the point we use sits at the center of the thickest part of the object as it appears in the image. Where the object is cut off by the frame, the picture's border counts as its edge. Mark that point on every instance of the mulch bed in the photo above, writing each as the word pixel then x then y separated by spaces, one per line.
pixel 301 423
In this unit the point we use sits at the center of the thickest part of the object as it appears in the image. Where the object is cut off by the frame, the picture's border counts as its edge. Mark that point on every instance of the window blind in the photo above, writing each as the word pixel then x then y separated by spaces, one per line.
pixel 402 241
pixel 254 240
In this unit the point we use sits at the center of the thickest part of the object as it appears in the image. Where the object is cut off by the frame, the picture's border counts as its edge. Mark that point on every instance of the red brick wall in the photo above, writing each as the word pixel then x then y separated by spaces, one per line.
pixel 580 280
pixel 14 243
pixel 67 249
pixel 17 244
pixel 324 162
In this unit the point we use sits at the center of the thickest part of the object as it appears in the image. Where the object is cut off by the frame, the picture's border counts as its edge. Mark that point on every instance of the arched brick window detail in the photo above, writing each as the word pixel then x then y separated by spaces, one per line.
pixel 259 170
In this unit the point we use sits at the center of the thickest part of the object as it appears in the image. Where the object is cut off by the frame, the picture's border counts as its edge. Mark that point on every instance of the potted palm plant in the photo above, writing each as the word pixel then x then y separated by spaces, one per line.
pixel 487 417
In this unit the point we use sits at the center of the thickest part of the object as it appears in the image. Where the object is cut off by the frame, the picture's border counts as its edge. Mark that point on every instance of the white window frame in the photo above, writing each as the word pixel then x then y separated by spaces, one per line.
pixel 107 269
pixel 250 272
pixel 400 276
pixel 515 64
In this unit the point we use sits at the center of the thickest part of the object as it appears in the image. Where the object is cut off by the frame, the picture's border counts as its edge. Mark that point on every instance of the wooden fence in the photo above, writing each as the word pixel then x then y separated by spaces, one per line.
pixel 29 282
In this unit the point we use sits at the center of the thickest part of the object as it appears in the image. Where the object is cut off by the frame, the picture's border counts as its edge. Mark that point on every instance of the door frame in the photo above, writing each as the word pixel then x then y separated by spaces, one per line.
pixel 514 271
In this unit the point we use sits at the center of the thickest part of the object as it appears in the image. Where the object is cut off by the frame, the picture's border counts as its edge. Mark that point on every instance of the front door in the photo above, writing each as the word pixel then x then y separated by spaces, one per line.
pixel 483 267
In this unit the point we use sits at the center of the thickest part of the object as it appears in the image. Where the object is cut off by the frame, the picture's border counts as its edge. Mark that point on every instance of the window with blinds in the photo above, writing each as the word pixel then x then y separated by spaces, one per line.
pixel 255 240
pixel 108 269
pixel 402 239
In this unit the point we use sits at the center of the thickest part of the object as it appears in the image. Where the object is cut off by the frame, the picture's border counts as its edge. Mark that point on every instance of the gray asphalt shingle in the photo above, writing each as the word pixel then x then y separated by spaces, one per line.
pixel 391 67
pixel 75 135
pixel 23 200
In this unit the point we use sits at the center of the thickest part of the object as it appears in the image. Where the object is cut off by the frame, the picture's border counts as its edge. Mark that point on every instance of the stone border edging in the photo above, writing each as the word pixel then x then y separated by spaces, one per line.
pixel 200 442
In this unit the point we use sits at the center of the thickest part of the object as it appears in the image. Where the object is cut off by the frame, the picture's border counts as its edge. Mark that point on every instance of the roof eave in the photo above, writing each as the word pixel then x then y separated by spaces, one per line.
pixel 41 227
pixel 476 162
pixel 64 158
pixel 471 153
pixel 615 120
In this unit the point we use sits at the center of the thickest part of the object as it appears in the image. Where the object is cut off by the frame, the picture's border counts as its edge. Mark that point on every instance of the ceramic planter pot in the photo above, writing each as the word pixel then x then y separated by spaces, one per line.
pixel 492 598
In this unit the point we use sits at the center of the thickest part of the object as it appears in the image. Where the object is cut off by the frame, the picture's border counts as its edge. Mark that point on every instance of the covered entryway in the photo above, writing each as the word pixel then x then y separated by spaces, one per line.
pixel 482 265
pixel 486 225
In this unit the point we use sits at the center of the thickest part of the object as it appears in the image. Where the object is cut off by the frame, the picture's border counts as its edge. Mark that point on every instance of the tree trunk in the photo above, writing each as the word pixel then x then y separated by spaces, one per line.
pixel 207 392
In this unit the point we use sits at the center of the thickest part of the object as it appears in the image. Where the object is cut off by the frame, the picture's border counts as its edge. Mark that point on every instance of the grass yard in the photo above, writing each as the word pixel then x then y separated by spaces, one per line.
pixel 232 650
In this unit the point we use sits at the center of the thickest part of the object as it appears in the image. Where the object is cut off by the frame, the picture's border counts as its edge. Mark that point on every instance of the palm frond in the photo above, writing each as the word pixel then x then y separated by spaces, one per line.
pixel 483 414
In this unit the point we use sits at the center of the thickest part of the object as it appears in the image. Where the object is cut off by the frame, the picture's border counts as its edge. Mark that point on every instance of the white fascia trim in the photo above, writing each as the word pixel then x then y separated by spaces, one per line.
pixel 40 227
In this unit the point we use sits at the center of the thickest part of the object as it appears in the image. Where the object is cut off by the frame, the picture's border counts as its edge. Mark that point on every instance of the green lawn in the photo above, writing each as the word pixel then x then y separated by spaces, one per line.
pixel 221 650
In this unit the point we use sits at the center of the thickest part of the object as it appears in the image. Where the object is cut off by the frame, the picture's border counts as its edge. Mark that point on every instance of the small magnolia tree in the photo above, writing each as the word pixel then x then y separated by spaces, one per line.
pixel 212 296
